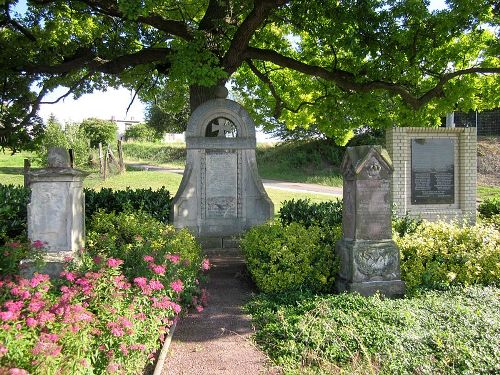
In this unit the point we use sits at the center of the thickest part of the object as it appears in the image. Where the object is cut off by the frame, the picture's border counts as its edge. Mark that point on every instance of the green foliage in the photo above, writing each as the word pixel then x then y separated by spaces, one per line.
pixel 13 212
pixel 72 137
pixel 405 224
pixel 156 203
pixel 489 207
pixel 142 133
pixel 155 153
pixel 440 254
pixel 289 258
pixel 12 253
pixel 322 214
pixel 132 235
pixel 452 332
pixel 169 112
pixel 99 131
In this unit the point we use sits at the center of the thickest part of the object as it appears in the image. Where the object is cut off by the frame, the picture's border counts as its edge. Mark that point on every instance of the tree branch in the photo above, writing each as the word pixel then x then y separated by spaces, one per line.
pixel 347 81
pixel 70 91
pixel 97 64
pixel 279 102
pixel 235 55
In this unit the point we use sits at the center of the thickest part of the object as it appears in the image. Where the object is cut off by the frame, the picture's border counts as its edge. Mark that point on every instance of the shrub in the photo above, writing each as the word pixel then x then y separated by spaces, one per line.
pixel 72 137
pixel 489 207
pixel 403 225
pixel 154 202
pixel 141 133
pixel 13 213
pixel 323 214
pixel 107 314
pixel 287 258
pixel 440 254
pixel 99 131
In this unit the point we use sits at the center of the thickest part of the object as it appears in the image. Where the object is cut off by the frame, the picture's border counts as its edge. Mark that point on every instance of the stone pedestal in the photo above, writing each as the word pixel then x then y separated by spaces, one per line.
pixel 221 194
pixel 369 258
pixel 56 212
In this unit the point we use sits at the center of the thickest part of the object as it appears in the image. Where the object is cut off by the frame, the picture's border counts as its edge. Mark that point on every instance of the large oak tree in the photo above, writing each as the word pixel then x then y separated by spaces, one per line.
pixel 334 64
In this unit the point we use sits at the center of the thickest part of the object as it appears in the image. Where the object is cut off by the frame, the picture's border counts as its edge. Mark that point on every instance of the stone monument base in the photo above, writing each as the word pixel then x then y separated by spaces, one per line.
pixel 219 242
pixel 52 264
pixel 368 266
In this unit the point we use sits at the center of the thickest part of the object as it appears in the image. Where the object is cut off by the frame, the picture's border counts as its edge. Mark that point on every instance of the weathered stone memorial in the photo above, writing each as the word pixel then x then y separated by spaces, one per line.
pixel 369 258
pixel 221 193
pixel 435 172
pixel 56 211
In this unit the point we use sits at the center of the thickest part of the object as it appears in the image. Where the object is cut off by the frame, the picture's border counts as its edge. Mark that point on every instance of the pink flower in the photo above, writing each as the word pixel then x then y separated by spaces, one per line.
pixel 38 244
pixel 13 245
pixel 97 259
pixel 70 276
pixel 124 349
pixel 155 285
pixel 205 265
pixel 199 308
pixel 116 330
pixel 174 258
pixel 159 270
pixel 112 368
pixel 141 281
pixel 177 285
pixel 113 263
pixel 7 315
pixel 3 350
pixel 148 258
pixel 17 371
pixel 31 322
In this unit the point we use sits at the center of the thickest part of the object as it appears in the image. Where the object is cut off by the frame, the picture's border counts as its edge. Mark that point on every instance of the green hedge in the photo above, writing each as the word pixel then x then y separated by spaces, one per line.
pixel 323 214
pixel 155 152
pixel 13 213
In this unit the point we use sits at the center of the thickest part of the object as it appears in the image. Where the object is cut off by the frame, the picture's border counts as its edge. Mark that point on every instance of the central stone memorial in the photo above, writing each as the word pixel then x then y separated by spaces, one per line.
pixel 369 258
pixel 221 193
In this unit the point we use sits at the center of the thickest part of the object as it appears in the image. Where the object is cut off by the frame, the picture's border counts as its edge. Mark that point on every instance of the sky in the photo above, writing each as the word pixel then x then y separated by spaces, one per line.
pixel 111 103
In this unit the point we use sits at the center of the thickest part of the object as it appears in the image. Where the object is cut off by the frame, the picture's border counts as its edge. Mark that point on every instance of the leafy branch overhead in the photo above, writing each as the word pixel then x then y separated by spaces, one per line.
pixel 336 65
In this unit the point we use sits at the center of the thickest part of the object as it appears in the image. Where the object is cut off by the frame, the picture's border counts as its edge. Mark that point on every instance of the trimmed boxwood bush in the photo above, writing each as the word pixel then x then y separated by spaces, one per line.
pixel 289 257
pixel 489 207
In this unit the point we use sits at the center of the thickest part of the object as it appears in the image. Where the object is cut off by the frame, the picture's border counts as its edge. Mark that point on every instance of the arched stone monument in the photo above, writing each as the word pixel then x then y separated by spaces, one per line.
pixel 221 193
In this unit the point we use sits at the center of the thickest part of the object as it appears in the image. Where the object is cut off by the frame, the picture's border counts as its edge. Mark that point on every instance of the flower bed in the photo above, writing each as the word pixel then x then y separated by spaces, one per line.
pixel 106 314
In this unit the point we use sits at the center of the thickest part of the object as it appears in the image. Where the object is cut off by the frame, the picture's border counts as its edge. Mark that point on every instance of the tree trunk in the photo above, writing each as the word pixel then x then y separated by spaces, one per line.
pixel 199 95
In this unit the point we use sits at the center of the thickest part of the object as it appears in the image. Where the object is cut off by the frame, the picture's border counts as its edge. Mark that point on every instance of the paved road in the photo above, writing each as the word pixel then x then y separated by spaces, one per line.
pixel 274 184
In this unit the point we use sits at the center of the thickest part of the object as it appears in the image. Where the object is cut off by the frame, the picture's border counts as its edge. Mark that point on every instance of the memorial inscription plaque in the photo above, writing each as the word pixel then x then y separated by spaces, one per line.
pixel 221 184
pixel 432 171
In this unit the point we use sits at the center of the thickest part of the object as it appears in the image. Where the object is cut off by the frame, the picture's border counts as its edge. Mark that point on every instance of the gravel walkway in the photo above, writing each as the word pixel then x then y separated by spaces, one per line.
pixel 217 340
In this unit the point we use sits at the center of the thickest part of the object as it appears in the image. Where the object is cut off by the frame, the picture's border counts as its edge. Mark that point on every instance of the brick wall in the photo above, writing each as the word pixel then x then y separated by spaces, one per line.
pixel 398 143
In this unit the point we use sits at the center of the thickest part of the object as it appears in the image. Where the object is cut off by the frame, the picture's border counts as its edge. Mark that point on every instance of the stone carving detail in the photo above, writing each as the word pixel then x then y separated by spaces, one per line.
pixel 58 157
pixel 374 169
pixel 221 127
pixel 375 261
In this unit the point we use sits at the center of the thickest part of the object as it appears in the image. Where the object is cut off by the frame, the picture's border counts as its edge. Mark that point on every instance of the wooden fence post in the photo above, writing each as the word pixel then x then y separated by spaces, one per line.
pixel 101 167
pixel 120 156
pixel 27 167
pixel 71 158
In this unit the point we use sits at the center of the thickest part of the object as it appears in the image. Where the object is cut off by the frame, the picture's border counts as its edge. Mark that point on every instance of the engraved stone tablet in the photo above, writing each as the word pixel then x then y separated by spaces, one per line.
pixel 432 171
pixel 221 184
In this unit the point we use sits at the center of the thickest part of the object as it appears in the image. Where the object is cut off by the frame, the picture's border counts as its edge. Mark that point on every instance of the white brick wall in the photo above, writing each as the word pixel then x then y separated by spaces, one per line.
pixel 398 143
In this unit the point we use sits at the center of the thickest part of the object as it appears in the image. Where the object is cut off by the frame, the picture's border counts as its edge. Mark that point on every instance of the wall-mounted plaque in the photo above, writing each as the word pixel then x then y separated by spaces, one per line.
pixel 221 184
pixel 432 171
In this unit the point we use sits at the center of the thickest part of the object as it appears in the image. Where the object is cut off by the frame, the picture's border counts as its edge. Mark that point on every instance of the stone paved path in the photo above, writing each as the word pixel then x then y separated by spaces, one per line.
pixel 217 340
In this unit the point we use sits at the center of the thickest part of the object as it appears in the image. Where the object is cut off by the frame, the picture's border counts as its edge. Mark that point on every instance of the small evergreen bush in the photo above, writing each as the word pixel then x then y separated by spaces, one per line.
pixel 289 257
pixel 489 207
pixel 141 133
pixel 440 254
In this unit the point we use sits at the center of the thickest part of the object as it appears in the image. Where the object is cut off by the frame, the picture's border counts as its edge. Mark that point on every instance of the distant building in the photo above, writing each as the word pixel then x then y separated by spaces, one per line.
pixel 123 125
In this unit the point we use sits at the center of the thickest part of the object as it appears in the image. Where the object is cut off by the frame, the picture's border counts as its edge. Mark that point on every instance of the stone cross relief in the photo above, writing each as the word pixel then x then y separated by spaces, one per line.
pixel 223 126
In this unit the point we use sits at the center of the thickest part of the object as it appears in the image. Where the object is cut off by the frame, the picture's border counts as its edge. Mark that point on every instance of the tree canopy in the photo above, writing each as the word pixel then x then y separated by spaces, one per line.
pixel 334 64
